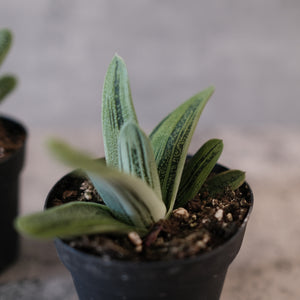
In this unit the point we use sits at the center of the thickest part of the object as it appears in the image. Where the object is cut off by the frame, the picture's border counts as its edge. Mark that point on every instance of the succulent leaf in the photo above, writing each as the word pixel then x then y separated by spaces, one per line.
pixel 117 108
pixel 136 156
pixel 7 84
pixel 170 141
pixel 232 179
pixel 69 220
pixel 197 169
pixel 129 198
pixel 5 43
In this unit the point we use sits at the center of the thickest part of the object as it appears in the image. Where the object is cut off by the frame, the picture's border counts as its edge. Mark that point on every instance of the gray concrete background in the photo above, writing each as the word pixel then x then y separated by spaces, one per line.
pixel 250 51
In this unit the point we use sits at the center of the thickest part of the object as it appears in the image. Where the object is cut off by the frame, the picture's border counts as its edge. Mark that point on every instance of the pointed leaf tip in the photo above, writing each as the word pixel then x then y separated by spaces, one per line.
pixel 170 140
pixel 117 107
pixel 210 90
pixel 118 57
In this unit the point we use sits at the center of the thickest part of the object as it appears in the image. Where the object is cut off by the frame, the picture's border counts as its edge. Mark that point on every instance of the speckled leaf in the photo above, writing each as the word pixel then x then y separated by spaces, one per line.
pixel 117 108
pixel 170 141
pixel 69 220
pixel 7 84
pixel 129 198
pixel 5 43
pixel 136 156
pixel 197 169
pixel 232 179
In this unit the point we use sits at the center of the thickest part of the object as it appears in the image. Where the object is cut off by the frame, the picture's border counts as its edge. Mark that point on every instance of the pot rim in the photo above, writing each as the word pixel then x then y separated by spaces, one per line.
pixel 159 263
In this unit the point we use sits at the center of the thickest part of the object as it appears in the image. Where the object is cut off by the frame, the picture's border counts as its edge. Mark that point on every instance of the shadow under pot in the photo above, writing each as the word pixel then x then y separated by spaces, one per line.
pixel 196 278
pixel 12 152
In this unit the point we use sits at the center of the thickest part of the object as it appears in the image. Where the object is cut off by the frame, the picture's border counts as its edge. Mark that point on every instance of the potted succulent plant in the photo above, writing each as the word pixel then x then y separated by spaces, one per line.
pixel 12 143
pixel 148 221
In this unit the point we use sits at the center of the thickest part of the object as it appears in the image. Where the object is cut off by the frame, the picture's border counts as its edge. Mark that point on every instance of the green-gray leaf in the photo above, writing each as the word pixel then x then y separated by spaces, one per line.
pixel 170 141
pixel 117 108
pixel 231 179
pixel 136 156
pixel 197 170
pixel 69 220
pixel 7 84
pixel 129 198
pixel 5 42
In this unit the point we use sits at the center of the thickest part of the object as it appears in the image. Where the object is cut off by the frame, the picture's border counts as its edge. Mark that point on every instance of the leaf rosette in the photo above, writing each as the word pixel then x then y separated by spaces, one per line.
pixel 143 177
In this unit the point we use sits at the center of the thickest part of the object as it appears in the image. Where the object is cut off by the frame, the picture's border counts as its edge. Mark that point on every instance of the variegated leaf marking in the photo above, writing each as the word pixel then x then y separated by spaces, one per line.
pixel 197 169
pixel 117 108
pixel 136 156
pixel 231 179
pixel 129 198
pixel 170 141
pixel 70 220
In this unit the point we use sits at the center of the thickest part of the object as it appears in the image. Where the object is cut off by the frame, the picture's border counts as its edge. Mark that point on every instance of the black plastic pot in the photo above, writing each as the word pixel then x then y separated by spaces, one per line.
pixel 198 278
pixel 10 169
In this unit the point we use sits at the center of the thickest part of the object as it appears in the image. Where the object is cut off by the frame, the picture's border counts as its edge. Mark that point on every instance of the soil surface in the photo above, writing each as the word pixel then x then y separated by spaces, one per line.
pixel 11 138
pixel 203 224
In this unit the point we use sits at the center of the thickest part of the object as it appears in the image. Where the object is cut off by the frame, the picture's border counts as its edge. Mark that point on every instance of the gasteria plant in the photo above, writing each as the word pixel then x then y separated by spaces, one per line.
pixel 7 82
pixel 13 136
pixel 142 178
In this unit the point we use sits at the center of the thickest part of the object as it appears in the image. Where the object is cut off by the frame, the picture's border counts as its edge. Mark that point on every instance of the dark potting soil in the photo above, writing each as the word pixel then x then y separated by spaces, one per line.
pixel 203 224
pixel 11 139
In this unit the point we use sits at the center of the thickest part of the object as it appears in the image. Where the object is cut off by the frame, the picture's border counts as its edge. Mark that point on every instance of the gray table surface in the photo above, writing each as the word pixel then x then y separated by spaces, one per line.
pixel 268 265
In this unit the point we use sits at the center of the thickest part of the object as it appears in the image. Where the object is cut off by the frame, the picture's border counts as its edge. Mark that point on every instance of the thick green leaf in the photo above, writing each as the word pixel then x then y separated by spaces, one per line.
pixel 129 198
pixel 136 156
pixel 231 179
pixel 117 108
pixel 7 84
pixel 197 170
pixel 5 42
pixel 69 220
pixel 170 141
